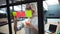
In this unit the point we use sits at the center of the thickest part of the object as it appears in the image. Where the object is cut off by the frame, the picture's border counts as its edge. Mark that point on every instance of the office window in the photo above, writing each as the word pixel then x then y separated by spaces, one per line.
pixel 45 5
pixel 2 2
pixel 14 1
pixel 4 28
pixel 20 20
pixel 18 8
pixel 51 14
pixel 52 2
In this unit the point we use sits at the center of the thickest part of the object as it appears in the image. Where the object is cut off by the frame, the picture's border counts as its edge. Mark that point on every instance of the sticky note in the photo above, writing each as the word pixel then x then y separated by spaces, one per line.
pixel 28 13
pixel 14 13
pixel 18 14
pixel 23 14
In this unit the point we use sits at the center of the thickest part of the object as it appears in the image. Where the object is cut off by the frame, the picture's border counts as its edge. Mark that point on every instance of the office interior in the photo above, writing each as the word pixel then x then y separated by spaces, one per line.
pixel 51 9
pixel 4 28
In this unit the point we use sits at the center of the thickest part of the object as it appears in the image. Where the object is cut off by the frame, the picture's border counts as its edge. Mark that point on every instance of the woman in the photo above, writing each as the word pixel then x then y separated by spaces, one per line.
pixel 33 26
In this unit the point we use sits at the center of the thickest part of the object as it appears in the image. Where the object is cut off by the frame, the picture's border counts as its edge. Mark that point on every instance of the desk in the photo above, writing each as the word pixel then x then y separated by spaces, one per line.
pixel 5 29
pixel 48 33
pixel 46 28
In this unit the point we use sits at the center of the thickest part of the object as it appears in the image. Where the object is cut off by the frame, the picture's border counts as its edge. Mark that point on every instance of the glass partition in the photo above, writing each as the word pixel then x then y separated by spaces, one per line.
pixel 4 28
pixel 2 2
pixel 14 1
pixel 51 16
pixel 21 22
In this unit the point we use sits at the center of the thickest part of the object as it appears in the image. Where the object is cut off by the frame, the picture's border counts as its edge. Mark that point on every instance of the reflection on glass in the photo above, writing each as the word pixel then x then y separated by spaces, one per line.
pixel 19 7
pixel 22 24
pixel 2 2
pixel 51 15
pixel 14 1
pixel 3 21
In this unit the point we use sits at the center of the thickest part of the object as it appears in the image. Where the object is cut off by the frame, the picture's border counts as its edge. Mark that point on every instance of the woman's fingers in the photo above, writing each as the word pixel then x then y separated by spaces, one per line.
pixel 27 23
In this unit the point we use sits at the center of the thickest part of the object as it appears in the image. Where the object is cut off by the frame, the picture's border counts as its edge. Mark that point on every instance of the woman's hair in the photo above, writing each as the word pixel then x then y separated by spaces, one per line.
pixel 28 6
pixel 32 7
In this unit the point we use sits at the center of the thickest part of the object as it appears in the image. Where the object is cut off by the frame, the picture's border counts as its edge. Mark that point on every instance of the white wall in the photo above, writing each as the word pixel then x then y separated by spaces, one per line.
pixel 53 21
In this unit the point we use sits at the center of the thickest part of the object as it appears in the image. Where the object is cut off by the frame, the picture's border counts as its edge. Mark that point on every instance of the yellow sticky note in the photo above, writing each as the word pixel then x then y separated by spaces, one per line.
pixel 14 13
pixel 28 13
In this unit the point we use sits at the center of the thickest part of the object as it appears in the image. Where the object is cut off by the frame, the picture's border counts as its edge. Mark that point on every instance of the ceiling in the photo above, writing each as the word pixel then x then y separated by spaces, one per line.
pixel 47 3
pixel 3 2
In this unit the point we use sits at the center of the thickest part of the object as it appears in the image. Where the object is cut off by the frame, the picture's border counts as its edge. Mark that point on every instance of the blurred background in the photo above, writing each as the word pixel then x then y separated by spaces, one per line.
pixel 51 11
pixel 4 28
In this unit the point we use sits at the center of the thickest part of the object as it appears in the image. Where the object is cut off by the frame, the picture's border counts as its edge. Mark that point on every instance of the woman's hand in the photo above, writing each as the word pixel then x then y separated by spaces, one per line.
pixel 29 25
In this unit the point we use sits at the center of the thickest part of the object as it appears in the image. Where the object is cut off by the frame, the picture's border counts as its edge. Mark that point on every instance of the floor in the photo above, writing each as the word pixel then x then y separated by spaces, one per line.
pixel 5 29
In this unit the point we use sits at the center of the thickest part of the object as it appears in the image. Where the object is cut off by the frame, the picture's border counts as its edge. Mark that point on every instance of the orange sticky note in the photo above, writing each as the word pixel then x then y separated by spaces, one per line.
pixel 27 23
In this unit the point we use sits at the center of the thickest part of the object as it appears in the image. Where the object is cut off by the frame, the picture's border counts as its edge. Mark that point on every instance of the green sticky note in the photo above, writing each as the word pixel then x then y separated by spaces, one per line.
pixel 28 13
pixel 14 13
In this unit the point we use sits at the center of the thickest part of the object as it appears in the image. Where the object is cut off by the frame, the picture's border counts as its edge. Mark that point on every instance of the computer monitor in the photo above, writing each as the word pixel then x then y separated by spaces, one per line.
pixel 52 28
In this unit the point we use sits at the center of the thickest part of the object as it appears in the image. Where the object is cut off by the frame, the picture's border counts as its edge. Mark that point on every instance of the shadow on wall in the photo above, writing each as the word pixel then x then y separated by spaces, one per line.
pixel 53 11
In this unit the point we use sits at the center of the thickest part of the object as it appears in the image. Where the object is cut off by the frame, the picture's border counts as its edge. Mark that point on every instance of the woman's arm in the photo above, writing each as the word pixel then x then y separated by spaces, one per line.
pixel 15 23
pixel 29 7
pixel 32 27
